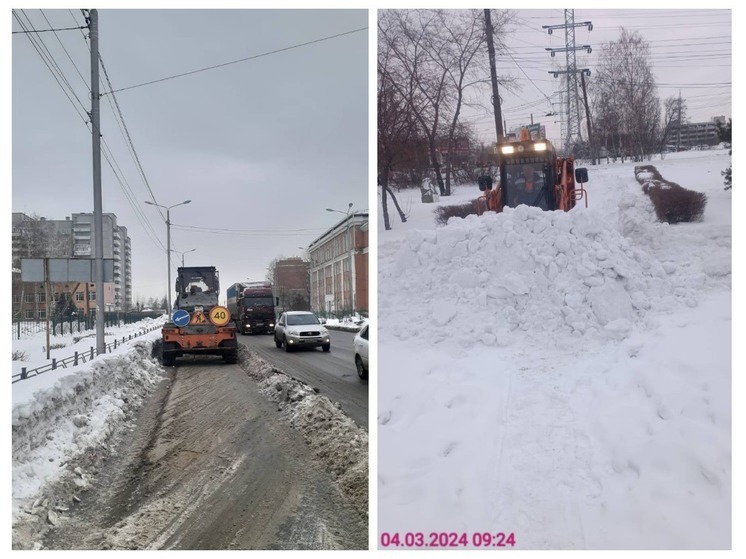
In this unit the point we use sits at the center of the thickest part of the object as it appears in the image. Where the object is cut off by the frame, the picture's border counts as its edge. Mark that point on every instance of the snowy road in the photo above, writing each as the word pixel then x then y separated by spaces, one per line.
pixel 118 453
pixel 211 467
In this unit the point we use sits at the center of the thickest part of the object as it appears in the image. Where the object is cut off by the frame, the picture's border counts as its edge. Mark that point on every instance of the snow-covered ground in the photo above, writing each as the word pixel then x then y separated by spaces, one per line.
pixel 565 377
pixel 59 414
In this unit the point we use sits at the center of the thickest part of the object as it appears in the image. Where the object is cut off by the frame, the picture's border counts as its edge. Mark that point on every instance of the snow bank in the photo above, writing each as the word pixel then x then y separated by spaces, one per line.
pixel 482 279
pixel 333 437
pixel 78 412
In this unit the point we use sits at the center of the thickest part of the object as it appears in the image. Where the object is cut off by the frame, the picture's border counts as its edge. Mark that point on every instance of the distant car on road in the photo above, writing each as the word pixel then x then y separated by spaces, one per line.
pixel 361 352
pixel 300 329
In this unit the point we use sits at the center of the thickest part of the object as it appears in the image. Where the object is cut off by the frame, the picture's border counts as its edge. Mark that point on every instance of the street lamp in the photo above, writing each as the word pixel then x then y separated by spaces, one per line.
pixel 182 254
pixel 347 214
pixel 168 243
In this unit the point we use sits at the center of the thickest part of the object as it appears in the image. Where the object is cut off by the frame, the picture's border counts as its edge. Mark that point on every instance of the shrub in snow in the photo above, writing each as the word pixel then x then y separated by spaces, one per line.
pixel 672 202
pixel 444 213
pixel 19 356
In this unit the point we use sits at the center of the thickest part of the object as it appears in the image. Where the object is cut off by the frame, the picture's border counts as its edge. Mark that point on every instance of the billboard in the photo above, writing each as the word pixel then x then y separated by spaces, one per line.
pixel 65 269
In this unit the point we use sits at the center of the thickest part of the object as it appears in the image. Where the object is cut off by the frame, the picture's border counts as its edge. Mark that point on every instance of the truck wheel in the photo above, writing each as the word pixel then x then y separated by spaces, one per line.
pixel 326 347
pixel 285 344
pixel 168 356
pixel 231 356
pixel 278 343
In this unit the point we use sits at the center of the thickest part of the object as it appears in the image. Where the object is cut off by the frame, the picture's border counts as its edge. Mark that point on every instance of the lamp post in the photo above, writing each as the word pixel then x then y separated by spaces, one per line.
pixel 182 254
pixel 347 214
pixel 168 244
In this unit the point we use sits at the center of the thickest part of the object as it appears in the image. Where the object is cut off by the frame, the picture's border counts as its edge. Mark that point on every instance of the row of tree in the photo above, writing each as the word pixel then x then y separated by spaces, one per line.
pixel 431 64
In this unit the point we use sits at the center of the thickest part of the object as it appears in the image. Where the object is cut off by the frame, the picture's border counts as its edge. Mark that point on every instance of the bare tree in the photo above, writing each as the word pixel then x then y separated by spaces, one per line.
pixel 412 36
pixel 460 53
pixel 725 134
pixel 271 270
pixel 396 128
pixel 431 59
pixel 628 106
pixel 674 115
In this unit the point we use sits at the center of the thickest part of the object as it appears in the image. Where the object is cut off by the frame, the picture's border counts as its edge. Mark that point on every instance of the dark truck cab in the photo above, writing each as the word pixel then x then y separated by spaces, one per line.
pixel 252 307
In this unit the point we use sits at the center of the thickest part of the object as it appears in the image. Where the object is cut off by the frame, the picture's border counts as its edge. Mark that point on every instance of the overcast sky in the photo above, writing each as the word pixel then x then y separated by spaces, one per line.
pixel 690 50
pixel 260 147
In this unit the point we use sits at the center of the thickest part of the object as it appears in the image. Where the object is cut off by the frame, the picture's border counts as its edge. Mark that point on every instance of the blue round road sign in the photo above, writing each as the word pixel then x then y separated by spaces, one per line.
pixel 180 317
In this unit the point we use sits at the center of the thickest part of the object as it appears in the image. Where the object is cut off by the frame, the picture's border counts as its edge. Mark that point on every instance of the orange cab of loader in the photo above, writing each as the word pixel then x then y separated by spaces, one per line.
pixel 530 173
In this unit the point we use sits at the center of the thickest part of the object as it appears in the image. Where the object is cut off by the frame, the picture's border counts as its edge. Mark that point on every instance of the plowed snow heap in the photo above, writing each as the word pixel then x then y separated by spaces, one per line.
pixel 480 278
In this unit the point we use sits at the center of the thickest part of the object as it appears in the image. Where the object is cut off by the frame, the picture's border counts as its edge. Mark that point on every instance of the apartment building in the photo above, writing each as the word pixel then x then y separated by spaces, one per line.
pixel 73 237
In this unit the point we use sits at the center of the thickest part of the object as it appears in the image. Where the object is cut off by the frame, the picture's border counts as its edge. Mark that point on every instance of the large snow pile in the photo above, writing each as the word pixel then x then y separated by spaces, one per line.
pixel 481 278
pixel 78 413
pixel 63 420
pixel 565 377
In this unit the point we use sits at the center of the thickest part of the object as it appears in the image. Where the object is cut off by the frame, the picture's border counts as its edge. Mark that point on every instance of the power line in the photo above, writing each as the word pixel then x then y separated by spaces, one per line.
pixel 640 14
pixel 40 45
pixel 527 76
pixel 46 62
pixel 126 188
pixel 67 53
pixel 47 30
pixel 128 137
pixel 58 75
pixel 265 232
pixel 237 61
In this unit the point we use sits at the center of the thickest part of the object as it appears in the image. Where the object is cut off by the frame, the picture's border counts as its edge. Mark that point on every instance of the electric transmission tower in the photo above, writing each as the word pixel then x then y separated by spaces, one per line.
pixel 571 122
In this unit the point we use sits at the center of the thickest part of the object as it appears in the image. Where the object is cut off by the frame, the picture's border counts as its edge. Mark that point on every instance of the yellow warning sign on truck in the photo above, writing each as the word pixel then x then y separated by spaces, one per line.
pixel 198 318
pixel 219 316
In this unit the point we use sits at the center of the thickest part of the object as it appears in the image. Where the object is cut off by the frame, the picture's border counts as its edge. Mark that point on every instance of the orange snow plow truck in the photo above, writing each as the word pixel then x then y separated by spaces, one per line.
pixel 199 325
pixel 530 173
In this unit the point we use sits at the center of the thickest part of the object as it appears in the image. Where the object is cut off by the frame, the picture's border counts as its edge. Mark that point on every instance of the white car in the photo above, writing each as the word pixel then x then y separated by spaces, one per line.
pixel 361 352
pixel 300 329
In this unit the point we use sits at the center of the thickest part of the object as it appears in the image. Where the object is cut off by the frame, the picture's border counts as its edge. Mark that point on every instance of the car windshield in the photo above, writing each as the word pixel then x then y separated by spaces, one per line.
pixel 297 319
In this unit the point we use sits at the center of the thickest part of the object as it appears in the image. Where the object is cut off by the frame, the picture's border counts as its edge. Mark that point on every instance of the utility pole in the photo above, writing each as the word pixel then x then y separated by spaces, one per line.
pixel 572 130
pixel 499 130
pixel 98 221
pixel 678 136
pixel 168 243
pixel 46 300
pixel 583 73
pixel 588 122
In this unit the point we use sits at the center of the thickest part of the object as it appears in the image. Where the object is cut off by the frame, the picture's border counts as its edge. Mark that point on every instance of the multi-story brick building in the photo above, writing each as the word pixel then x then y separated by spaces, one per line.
pixel 291 284
pixel 339 267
